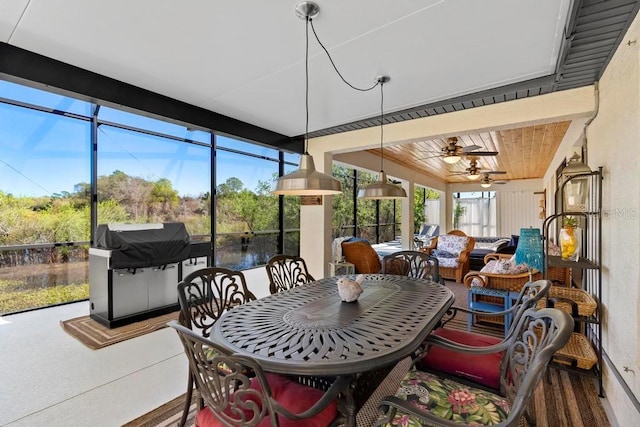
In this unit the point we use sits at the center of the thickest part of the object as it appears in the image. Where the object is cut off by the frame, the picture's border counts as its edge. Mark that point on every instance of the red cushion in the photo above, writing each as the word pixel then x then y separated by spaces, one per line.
pixel 295 397
pixel 479 368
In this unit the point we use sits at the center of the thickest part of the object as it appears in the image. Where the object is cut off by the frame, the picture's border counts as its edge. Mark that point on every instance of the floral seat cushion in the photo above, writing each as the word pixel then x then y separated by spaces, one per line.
pixel 449 400
pixel 449 248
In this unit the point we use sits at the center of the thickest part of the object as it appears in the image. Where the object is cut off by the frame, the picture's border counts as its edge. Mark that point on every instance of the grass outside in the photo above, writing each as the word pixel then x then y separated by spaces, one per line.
pixel 34 286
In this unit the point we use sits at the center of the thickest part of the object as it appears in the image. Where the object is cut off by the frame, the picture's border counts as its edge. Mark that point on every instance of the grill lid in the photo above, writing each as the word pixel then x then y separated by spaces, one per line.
pixel 144 245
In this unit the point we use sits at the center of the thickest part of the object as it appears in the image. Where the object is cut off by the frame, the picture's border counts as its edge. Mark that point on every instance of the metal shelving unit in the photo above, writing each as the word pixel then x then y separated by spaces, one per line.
pixel 587 267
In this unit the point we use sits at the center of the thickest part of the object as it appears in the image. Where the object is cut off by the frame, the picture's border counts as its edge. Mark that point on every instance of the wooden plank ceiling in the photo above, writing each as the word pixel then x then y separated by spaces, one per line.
pixel 524 153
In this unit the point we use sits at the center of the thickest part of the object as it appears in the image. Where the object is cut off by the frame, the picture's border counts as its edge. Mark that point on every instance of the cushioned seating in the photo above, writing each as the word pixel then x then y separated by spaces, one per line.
pixel 452 251
pixel 425 398
pixel 510 279
pixel 295 397
pixel 480 368
pixel 448 399
pixel 362 255
pixel 266 399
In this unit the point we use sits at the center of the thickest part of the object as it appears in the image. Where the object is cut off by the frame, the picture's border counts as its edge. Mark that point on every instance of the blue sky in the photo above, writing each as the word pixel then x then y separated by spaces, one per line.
pixel 42 154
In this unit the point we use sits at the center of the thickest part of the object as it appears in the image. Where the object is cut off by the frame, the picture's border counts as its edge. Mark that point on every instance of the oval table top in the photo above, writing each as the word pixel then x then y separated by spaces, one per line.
pixel 308 330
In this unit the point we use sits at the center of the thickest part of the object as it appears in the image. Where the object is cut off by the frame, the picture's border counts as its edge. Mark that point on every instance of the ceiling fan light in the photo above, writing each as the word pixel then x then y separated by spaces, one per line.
pixel 451 159
pixel 473 176
pixel 382 189
pixel 485 184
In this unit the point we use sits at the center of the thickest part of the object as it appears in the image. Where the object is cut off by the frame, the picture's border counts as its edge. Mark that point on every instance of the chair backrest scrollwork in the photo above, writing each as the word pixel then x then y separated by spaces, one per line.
pixel 206 294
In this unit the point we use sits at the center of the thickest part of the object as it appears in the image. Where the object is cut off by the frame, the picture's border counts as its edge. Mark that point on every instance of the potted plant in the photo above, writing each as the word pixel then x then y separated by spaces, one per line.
pixel 569 241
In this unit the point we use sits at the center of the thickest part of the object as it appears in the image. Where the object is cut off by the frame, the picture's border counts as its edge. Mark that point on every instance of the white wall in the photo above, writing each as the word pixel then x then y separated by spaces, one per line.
pixel 614 143
pixel 516 210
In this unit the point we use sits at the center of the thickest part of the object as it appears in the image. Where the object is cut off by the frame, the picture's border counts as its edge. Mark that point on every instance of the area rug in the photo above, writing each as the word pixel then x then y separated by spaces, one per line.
pixel 95 335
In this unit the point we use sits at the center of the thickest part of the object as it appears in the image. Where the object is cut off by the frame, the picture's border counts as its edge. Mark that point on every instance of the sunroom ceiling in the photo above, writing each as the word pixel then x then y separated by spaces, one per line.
pixel 245 60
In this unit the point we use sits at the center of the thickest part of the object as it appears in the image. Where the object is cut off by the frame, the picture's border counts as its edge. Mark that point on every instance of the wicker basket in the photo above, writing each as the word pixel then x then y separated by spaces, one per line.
pixel 585 303
pixel 578 350
pixel 559 275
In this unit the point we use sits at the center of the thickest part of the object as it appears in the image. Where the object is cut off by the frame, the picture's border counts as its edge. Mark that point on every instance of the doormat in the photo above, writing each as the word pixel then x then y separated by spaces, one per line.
pixel 95 335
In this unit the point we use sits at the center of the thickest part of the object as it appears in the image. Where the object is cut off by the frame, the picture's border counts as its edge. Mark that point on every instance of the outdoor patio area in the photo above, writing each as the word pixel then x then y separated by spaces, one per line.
pixel 106 387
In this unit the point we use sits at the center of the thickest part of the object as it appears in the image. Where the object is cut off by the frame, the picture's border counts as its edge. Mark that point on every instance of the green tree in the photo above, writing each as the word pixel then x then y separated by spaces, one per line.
pixel 458 212
pixel 162 193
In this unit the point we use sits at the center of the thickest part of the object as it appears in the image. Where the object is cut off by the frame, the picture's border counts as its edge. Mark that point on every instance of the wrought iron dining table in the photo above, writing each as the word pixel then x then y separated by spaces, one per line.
pixel 309 331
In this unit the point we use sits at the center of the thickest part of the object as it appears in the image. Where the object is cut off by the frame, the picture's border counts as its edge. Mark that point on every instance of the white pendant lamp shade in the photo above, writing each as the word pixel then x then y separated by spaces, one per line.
pixel 473 176
pixel 486 185
pixel 307 181
pixel 382 189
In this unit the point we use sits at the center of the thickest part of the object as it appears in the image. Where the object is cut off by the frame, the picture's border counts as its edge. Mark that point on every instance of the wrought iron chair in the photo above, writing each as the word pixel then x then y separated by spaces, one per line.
pixel 204 295
pixel 537 335
pixel 413 264
pixel 446 348
pixel 286 272
pixel 233 399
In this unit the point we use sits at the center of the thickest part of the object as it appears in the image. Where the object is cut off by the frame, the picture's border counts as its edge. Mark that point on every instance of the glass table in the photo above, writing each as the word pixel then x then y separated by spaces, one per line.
pixel 309 331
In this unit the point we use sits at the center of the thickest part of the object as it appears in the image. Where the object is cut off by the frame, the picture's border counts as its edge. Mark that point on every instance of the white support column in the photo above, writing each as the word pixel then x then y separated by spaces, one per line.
pixel 407 216
pixel 316 224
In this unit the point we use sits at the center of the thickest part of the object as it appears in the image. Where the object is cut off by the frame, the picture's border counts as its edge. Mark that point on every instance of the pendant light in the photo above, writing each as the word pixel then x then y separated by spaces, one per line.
pixel 306 181
pixel 382 189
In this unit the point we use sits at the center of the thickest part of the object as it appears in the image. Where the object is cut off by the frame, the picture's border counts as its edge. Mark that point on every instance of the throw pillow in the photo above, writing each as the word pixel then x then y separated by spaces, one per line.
pixel 439 253
pixel 498 244
pixel 488 268
pixel 452 243
pixel 508 266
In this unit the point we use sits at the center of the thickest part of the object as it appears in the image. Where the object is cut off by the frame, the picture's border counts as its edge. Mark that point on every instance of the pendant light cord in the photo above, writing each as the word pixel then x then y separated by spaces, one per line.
pixel 381 123
pixel 333 63
pixel 306 82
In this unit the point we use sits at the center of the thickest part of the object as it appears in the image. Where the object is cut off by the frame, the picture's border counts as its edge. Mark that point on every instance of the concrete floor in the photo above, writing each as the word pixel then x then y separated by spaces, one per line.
pixel 48 378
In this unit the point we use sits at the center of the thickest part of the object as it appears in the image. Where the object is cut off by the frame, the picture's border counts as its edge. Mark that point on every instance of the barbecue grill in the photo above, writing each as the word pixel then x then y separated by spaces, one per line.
pixel 134 270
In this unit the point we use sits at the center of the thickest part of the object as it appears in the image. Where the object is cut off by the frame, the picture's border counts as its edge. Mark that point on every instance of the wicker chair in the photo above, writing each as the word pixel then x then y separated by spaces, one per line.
pixel 286 272
pixel 204 295
pixel 412 264
pixel 362 255
pixel 525 356
pixel 233 399
pixel 454 269
pixel 509 282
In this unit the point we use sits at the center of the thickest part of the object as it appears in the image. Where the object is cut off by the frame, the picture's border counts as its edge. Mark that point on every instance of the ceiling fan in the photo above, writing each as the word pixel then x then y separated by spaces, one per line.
pixel 486 181
pixel 473 171
pixel 452 152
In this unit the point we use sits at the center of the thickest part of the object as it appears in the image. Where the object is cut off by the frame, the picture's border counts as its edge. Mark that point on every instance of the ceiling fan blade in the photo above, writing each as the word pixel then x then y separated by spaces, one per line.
pixel 482 153
pixel 470 148
pixel 494 172
pixel 435 156
pixel 498 182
